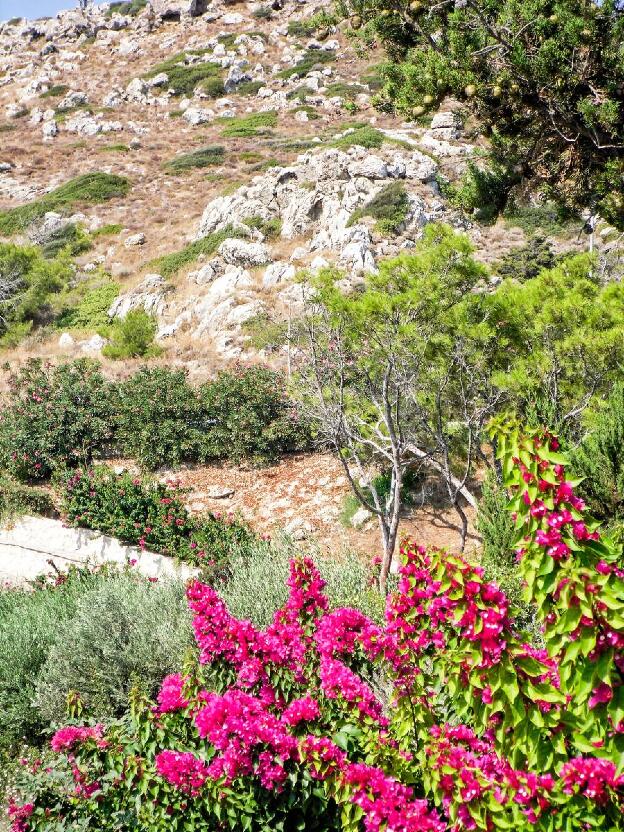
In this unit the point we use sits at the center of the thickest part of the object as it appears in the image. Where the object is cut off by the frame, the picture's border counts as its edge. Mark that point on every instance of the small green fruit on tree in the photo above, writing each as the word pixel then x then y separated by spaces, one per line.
pixel 545 80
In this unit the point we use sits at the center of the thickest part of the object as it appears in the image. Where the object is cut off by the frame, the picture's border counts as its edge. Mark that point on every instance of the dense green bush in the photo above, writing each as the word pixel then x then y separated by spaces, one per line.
pixel 497 529
pixel 16 499
pixel 368 137
pixel 69 236
pixel 131 7
pixel 254 124
pixel 28 286
pixel 124 632
pixel 170 264
pixel 29 627
pixel 159 420
pixel 600 460
pixel 55 416
pixel 389 207
pixel 133 336
pixel 90 633
pixel 313 59
pixel 259 587
pixel 527 261
pixel 482 191
pixel 552 119
pixel 90 188
pixel 251 417
pixel 183 76
pixel 151 515
pixel 89 309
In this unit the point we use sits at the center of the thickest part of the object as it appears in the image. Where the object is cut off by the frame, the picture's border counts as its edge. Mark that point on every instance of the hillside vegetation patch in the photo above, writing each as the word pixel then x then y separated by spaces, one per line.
pixel 255 124
pixel 170 264
pixel 203 158
pixel 184 73
pixel 93 188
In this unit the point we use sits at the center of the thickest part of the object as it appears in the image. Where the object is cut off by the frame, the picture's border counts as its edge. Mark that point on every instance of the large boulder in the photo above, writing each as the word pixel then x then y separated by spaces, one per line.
pixel 176 8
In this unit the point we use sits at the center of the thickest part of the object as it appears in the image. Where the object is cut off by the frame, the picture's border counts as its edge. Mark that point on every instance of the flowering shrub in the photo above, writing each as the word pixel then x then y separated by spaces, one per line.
pixel 159 421
pixel 152 516
pixel 445 717
pixel 251 417
pixel 70 414
pixel 55 416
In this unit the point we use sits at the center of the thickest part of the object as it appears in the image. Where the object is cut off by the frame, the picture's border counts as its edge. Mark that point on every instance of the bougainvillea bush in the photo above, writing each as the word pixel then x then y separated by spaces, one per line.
pixel 443 718
pixel 151 515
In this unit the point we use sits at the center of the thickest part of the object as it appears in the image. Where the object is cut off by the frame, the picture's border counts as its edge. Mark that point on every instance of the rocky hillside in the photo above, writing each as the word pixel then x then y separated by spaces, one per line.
pixel 251 150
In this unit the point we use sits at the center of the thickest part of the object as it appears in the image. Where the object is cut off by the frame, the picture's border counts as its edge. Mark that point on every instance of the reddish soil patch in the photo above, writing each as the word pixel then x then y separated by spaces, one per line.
pixel 307 491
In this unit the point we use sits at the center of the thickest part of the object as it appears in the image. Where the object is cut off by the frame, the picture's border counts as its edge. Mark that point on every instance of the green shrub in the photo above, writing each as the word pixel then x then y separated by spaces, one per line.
pixel 497 529
pixel 183 77
pixel 260 585
pixel 133 336
pixel 131 7
pixel 347 91
pixel 269 228
pixel 213 87
pixel 55 92
pixel 600 460
pixel 17 499
pixel 249 87
pixel 389 207
pixel 301 28
pixel 254 124
pixel 29 285
pixel 547 218
pixel 124 632
pixel 29 627
pixel 152 515
pixel 251 417
pixel 300 93
pixel 263 13
pixel 69 236
pixel 482 192
pixel 313 59
pixel 527 261
pixel 211 155
pixel 91 311
pixel 90 188
pixel 107 230
pixel 114 148
pixel 412 483
pixel 170 264
pixel 55 416
pixel 159 420
pixel 368 137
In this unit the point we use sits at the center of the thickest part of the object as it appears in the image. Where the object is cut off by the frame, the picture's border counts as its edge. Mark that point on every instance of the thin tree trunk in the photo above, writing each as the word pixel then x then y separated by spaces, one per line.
pixel 464 525
pixel 388 551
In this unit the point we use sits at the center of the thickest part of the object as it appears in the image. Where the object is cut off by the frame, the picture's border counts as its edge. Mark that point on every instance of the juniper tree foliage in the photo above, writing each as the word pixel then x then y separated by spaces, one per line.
pixel 546 80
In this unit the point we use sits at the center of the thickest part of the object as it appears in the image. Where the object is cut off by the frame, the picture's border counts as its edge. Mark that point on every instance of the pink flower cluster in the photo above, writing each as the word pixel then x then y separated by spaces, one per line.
pixel 65 739
pixel 170 696
pixel 305 709
pixel 388 804
pixel 183 770
pixel 591 777
pixel 18 815
pixel 250 738
pixel 470 769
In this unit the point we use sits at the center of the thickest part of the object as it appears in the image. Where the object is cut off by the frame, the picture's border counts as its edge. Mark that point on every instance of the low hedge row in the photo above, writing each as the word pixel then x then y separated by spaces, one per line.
pixel 152 515
pixel 68 415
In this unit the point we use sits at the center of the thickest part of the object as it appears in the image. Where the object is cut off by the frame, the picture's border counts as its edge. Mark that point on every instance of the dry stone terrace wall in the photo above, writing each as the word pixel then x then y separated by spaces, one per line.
pixel 34 546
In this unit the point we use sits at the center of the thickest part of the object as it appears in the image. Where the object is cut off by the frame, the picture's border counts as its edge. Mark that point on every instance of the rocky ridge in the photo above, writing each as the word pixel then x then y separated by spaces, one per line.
pixel 302 153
